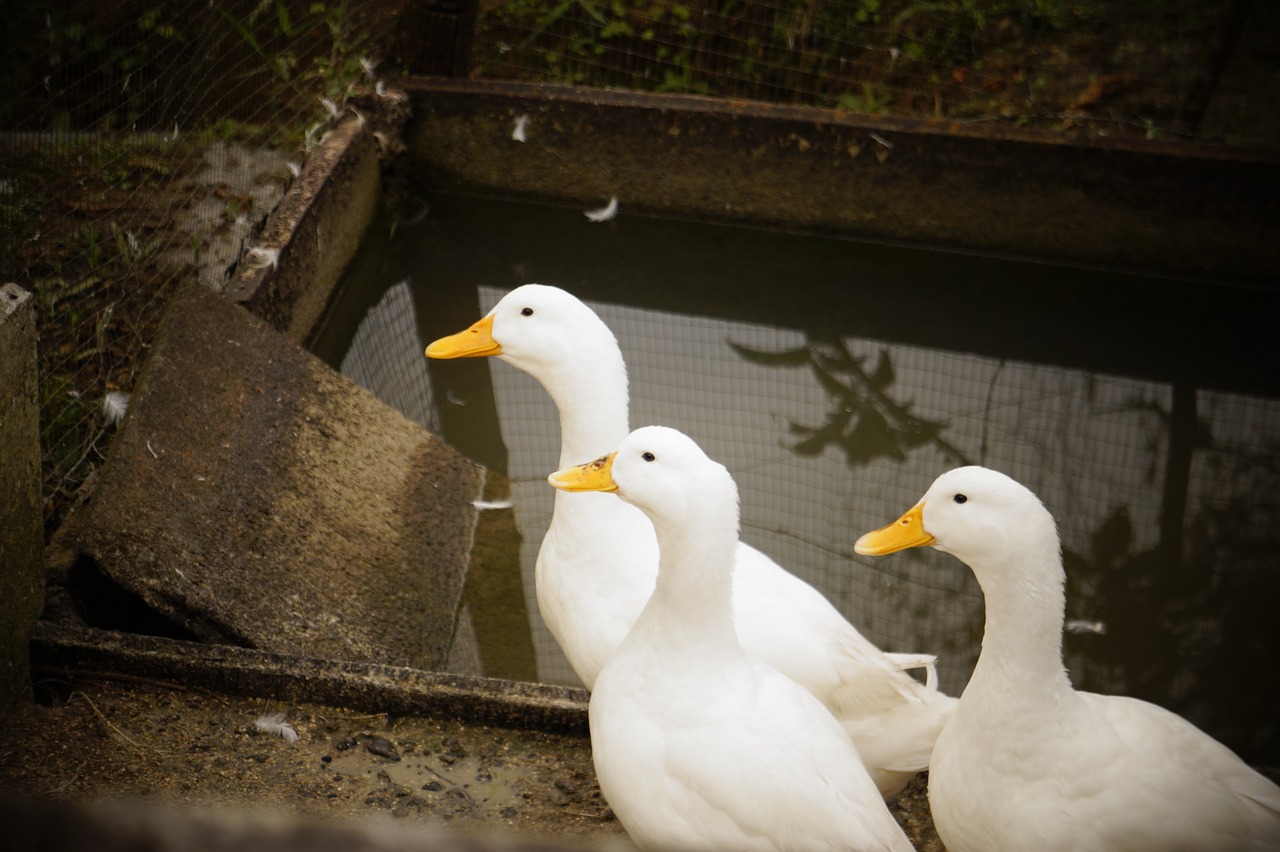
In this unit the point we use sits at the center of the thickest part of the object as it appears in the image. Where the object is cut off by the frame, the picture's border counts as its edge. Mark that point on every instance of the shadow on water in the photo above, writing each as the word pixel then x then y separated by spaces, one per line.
pixel 836 379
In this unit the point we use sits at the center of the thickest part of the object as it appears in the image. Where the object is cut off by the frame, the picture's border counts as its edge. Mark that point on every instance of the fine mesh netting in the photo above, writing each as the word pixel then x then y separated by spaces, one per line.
pixel 141 143
pixel 1147 68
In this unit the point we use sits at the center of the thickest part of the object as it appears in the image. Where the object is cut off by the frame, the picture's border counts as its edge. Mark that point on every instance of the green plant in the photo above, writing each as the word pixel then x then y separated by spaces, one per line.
pixel 869 101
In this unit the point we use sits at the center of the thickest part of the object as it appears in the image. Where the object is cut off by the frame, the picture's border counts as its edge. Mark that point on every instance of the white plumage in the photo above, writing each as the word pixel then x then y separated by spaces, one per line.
pixel 591 585
pixel 1026 762
pixel 697 744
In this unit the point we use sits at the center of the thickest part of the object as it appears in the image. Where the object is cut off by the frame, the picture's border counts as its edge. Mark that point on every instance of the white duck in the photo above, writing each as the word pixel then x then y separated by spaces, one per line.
pixel 1026 762
pixel 597 564
pixel 698 744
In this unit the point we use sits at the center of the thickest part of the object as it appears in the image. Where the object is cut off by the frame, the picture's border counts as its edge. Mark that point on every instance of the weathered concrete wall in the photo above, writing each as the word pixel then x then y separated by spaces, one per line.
pixel 315 231
pixel 256 497
pixel 21 532
pixel 1172 209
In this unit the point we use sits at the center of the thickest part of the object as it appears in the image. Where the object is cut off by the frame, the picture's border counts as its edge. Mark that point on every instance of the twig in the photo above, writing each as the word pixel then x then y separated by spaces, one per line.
pixel 112 725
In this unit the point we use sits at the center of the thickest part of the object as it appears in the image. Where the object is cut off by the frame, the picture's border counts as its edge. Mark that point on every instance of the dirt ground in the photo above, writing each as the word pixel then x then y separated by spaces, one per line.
pixel 88 739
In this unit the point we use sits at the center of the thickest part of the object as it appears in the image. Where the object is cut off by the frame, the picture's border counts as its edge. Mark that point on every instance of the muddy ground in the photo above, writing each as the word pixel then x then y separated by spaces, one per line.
pixel 94 738
pixel 89 738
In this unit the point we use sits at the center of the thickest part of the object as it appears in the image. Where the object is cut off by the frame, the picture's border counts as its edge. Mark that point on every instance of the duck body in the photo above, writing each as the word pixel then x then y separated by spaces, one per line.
pixel 1027 762
pixel 723 768
pixel 591 587
pixel 1110 773
pixel 698 744
pixel 587 608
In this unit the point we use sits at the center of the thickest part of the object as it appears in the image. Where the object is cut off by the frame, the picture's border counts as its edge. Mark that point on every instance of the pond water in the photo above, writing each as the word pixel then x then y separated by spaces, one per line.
pixel 836 379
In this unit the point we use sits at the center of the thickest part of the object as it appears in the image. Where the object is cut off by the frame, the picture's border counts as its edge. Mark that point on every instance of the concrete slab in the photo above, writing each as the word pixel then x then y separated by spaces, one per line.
pixel 255 497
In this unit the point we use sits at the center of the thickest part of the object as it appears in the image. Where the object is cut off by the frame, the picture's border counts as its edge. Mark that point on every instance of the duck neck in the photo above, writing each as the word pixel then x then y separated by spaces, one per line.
pixel 593 405
pixel 693 595
pixel 1022 643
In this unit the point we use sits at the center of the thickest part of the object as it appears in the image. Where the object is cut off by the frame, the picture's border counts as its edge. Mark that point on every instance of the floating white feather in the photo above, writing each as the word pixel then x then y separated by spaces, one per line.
pixel 522 121
pixel 275 724
pixel 114 407
pixel 482 505
pixel 604 214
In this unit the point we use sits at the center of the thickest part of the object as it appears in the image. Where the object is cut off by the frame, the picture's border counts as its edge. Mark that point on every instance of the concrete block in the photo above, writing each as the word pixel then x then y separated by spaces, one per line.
pixel 21 534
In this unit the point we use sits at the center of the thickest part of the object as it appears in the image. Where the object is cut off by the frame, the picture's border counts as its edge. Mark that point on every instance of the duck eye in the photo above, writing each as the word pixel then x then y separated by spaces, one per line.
pixel 648 457
pixel 960 498
pixel 526 312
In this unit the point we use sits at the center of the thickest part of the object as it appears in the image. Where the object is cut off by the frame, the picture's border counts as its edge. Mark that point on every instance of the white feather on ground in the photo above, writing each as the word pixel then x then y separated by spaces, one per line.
pixel 275 724
pixel 114 407
pixel 522 121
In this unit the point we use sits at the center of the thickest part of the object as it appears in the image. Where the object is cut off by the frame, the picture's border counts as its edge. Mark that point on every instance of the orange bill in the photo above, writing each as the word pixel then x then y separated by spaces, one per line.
pixel 907 531
pixel 476 342
pixel 592 476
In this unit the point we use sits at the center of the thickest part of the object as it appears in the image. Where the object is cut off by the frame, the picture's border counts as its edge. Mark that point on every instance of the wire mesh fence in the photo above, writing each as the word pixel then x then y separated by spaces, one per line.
pixel 143 142
pixel 1197 69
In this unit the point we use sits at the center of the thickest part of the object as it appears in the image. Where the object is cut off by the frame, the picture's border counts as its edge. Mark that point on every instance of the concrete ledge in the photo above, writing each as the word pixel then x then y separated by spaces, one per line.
pixel 314 232
pixel 21 529
pixel 357 686
pixel 1180 210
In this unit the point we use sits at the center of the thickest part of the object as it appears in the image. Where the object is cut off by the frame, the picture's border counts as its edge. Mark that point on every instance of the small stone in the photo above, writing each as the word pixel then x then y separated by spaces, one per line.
pixel 383 747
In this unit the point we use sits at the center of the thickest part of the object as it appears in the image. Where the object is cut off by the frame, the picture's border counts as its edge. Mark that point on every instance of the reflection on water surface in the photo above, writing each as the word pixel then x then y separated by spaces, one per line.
pixel 836 379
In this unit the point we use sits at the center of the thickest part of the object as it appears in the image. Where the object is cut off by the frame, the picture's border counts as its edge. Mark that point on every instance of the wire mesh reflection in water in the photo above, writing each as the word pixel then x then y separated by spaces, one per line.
pixel 1096 449
pixel 385 357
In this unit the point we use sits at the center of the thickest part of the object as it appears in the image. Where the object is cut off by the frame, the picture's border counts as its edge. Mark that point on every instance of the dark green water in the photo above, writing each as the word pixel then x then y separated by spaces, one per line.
pixel 836 379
